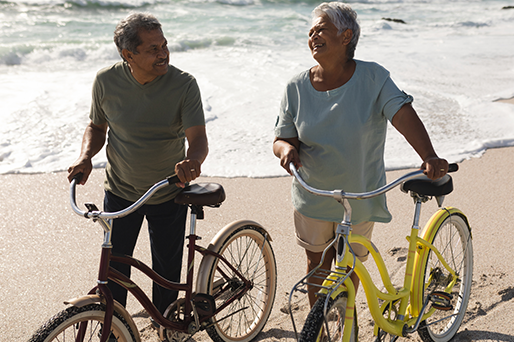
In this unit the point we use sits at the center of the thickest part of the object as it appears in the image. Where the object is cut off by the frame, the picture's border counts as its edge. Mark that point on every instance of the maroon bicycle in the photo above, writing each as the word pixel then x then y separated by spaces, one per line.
pixel 234 292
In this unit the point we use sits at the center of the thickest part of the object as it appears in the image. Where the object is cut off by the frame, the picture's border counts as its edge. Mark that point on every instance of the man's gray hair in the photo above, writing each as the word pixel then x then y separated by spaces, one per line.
pixel 343 17
pixel 126 34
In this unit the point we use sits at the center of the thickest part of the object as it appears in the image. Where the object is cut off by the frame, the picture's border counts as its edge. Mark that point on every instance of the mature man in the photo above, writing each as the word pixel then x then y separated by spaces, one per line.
pixel 147 108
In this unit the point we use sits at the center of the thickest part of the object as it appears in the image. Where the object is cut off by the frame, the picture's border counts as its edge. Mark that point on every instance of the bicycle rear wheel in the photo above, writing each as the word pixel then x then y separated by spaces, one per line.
pixel 64 326
pixel 314 328
pixel 250 252
pixel 452 239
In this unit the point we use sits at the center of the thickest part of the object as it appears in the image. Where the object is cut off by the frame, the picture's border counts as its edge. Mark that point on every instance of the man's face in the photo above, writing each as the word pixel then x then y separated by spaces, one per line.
pixel 152 58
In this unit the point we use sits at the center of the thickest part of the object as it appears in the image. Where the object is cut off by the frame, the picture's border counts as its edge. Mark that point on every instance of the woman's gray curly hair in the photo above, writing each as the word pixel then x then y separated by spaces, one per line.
pixel 343 17
pixel 126 34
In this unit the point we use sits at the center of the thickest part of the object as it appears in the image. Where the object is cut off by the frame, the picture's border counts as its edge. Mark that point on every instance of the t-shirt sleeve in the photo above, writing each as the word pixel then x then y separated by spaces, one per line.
pixel 285 126
pixel 391 99
pixel 192 109
pixel 97 114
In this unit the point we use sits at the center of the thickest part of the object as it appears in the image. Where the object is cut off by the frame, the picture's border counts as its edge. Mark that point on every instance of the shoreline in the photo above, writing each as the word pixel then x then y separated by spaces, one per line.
pixel 509 100
pixel 50 254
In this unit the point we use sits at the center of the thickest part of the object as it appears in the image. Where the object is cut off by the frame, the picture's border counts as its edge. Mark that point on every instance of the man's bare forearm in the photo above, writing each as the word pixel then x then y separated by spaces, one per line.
pixel 92 141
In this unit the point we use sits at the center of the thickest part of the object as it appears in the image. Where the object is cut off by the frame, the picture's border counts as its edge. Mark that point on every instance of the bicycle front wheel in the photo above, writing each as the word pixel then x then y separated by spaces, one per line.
pixel 64 327
pixel 249 251
pixel 314 329
pixel 452 238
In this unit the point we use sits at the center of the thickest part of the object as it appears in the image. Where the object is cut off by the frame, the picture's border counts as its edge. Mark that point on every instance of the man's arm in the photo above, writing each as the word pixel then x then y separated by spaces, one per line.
pixel 92 142
pixel 407 122
pixel 198 148
pixel 286 149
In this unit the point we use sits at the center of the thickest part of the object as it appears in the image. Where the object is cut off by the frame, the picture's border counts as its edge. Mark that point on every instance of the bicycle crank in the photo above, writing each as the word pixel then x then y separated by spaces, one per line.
pixel 441 300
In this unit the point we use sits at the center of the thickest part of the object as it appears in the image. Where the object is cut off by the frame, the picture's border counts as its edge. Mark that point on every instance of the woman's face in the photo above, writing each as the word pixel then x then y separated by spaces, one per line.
pixel 324 40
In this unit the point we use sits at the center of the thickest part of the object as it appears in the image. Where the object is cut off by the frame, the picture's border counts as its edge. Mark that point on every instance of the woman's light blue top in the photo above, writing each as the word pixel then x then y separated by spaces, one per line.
pixel 342 134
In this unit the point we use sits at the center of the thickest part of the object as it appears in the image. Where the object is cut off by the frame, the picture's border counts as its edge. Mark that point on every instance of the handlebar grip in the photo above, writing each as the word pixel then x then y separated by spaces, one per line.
pixel 453 167
pixel 173 179
pixel 78 177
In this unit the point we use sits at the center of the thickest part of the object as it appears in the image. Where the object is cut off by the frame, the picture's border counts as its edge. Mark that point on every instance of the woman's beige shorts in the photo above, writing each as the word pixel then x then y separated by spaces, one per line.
pixel 315 235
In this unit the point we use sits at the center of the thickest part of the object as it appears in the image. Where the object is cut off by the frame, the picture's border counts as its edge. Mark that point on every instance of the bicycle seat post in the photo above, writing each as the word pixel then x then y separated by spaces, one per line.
pixel 418 200
pixel 196 213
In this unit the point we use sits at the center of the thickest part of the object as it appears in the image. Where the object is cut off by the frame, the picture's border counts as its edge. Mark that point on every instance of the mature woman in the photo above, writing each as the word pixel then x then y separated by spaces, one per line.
pixel 332 126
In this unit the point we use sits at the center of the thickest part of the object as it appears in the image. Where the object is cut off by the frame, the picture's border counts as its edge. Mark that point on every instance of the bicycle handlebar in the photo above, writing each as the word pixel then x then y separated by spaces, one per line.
pixel 340 194
pixel 117 214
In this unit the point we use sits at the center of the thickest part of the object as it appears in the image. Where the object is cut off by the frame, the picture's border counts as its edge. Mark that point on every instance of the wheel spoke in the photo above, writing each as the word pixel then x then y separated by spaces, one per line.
pixel 453 241
pixel 250 253
pixel 65 326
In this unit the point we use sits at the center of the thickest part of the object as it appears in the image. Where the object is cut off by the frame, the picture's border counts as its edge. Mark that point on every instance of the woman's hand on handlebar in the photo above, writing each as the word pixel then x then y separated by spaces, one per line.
pixel 435 167
pixel 287 150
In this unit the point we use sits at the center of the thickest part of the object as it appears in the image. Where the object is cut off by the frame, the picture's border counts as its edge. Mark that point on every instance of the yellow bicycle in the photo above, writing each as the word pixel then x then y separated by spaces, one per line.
pixel 438 275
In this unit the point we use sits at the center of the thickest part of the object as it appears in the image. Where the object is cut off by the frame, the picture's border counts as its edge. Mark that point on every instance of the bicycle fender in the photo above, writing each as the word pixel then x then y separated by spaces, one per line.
pixel 97 299
pixel 215 245
pixel 441 215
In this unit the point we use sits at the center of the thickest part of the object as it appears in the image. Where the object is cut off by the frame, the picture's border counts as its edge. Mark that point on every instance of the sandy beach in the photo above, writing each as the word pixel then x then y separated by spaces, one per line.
pixel 49 254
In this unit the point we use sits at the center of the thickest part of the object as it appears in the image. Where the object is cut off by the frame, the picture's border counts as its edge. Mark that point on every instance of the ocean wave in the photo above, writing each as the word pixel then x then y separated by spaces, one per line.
pixel 201 43
pixel 367 2
pixel 10 58
pixel 471 24
pixel 70 4
pixel 57 56
pixel 108 4
pixel 228 2
pixel 30 55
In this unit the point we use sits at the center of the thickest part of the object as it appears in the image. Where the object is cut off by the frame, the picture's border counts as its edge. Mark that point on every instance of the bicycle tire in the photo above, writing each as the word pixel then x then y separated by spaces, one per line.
pixel 313 329
pixel 63 326
pixel 451 235
pixel 243 319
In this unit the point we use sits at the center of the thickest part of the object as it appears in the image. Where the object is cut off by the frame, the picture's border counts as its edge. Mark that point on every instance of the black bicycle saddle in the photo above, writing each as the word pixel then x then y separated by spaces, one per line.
pixel 211 194
pixel 426 187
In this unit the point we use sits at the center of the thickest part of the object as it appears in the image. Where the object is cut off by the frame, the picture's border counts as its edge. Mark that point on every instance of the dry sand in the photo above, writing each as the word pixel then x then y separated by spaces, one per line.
pixel 49 254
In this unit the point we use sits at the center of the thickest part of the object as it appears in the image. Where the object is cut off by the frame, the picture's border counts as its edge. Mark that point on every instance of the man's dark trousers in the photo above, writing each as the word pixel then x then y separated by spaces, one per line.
pixel 166 226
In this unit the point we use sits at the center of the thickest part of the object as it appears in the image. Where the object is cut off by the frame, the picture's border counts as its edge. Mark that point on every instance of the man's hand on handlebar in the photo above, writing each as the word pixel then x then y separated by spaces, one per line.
pixel 435 167
pixel 187 171
pixel 81 166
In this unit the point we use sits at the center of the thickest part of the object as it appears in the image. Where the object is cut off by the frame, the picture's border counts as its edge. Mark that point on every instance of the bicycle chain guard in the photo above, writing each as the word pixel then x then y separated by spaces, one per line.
pixel 174 313
pixel 204 304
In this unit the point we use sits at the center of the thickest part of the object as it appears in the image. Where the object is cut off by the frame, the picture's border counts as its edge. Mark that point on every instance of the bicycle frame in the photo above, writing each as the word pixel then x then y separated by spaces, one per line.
pixel 399 326
pixel 411 308
pixel 107 273
pixel 187 287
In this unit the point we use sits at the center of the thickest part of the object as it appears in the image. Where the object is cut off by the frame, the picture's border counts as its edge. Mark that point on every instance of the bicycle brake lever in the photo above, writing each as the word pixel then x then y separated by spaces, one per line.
pixel 91 207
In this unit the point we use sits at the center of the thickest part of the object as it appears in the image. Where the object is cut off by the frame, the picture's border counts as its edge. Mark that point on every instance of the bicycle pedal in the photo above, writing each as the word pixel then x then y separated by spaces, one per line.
pixel 441 300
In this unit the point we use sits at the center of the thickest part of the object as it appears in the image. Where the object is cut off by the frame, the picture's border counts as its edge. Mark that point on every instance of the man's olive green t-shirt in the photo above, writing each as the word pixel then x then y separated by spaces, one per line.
pixel 147 124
